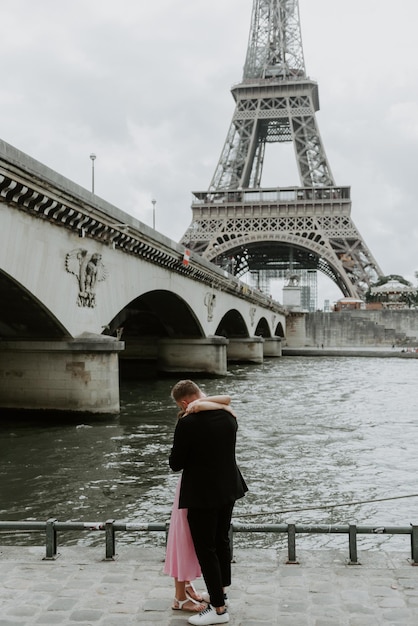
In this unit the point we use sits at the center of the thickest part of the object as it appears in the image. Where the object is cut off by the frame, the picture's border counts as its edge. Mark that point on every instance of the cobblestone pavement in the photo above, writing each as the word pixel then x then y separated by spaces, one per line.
pixel 80 588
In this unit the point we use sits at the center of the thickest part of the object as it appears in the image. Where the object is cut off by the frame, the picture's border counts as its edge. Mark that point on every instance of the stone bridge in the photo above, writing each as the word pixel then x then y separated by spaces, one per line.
pixel 84 286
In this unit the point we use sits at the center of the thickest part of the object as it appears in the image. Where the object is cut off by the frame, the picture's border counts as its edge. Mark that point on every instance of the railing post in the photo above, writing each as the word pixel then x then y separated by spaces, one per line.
pixel 110 540
pixel 352 540
pixel 291 545
pixel 414 544
pixel 51 540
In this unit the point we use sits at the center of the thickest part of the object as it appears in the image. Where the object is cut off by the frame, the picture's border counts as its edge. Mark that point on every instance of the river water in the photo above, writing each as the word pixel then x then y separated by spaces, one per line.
pixel 320 440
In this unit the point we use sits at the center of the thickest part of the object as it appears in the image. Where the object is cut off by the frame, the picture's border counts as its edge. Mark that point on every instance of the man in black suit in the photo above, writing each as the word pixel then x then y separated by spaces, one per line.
pixel 204 448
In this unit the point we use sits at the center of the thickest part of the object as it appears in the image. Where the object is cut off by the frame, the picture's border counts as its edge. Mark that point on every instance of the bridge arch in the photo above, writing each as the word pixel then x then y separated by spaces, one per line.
pixel 305 250
pixel 262 328
pixel 232 324
pixel 158 313
pixel 23 316
pixel 279 330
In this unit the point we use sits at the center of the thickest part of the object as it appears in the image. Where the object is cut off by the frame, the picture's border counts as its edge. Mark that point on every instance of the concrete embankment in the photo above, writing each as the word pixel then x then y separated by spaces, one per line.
pixel 367 352
pixel 362 328
pixel 80 588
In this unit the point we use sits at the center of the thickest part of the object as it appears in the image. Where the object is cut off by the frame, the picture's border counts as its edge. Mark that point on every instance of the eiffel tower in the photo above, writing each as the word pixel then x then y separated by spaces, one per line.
pixel 244 227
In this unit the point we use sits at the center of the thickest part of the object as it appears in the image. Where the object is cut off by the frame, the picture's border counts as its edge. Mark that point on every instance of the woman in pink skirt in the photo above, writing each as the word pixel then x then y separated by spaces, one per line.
pixel 181 561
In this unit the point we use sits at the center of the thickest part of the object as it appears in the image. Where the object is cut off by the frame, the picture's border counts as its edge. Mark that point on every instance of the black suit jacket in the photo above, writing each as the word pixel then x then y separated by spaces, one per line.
pixel 204 448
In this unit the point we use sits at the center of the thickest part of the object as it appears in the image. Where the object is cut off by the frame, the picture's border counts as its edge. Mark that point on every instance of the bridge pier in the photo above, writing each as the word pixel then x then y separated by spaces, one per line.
pixel 205 356
pixel 272 347
pixel 246 350
pixel 295 330
pixel 80 375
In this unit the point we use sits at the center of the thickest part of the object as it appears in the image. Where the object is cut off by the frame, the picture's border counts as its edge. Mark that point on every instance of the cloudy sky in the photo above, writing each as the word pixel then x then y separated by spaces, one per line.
pixel 146 87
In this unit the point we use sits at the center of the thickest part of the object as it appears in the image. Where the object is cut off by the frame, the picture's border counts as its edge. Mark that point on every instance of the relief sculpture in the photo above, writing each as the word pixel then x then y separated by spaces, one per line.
pixel 89 270
pixel 210 302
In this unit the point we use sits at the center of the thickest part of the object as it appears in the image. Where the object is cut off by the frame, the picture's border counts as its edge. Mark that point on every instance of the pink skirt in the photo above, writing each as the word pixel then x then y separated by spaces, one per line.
pixel 180 559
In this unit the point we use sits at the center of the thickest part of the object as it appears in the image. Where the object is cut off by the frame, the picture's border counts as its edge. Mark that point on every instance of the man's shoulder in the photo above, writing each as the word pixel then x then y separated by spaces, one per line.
pixel 186 420
pixel 209 413
pixel 201 416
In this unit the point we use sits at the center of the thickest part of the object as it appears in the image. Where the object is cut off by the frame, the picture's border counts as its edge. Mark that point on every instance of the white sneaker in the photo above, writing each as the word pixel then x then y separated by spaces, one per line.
pixel 209 616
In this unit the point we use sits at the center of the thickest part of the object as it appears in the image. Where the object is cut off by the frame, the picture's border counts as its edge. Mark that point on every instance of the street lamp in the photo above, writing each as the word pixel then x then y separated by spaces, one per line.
pixel 92 157
pixel 153 213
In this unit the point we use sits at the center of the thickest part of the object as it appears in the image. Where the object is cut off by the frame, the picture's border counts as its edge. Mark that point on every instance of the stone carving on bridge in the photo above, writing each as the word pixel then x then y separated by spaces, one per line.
pixel 210 302
pixel 253 311
pixel 89 270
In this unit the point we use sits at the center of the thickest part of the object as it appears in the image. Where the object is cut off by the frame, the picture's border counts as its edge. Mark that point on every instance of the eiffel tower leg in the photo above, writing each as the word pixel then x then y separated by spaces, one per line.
pixel 234 168
pixel 313 166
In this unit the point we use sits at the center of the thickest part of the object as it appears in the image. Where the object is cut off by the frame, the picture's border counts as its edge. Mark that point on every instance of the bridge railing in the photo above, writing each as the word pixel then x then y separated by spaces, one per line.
pixel 52 527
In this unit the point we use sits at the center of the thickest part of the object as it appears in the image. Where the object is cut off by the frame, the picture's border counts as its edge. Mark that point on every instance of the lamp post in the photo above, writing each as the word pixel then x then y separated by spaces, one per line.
pixel 92 157
pixel 153 213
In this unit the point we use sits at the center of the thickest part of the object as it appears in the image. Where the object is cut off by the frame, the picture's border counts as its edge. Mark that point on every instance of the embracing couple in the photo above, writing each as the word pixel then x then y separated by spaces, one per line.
pixel 204 450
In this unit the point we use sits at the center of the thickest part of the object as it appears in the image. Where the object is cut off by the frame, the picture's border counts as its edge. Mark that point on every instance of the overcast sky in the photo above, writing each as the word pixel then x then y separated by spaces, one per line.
pixel 146 87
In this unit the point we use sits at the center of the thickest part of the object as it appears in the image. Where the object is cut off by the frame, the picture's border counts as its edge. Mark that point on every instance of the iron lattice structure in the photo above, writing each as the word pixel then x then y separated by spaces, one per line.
pixel 244 227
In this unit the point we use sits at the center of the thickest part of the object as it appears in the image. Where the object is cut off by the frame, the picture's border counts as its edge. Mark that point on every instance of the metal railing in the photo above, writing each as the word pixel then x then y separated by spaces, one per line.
pixel 52 527
pixel 352 530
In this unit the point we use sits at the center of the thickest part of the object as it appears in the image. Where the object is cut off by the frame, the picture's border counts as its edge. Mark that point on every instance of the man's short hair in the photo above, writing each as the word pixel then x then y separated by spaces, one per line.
pixel 183 389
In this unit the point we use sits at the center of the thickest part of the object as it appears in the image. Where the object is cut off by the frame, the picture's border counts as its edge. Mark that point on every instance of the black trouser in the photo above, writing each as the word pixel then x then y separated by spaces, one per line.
pixel 209 529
